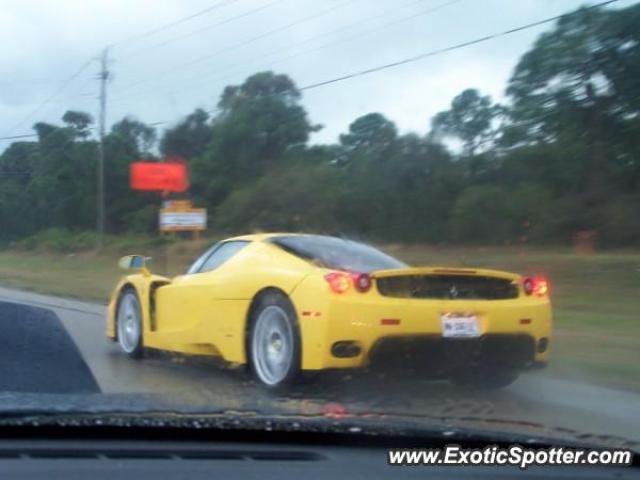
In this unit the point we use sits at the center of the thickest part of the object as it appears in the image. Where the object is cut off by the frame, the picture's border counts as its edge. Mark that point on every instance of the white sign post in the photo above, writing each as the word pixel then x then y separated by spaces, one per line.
pixel 194 219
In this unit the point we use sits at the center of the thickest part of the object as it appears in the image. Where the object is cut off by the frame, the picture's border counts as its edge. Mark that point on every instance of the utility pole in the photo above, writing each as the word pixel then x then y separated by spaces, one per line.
pixel 104 76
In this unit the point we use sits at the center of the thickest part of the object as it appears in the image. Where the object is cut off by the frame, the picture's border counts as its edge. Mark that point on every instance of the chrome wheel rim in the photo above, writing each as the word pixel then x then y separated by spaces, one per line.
pixel 129 323
pixel 272 345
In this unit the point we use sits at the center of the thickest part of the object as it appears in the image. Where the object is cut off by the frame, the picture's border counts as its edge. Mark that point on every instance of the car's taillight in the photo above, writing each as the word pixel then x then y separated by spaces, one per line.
pixel 361 281
pixel 338 282
pixel 541 287
pixel 537 285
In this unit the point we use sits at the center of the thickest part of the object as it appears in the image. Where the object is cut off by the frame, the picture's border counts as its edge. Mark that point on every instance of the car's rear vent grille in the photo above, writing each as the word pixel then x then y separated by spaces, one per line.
pixel 447 287
pixel 138 454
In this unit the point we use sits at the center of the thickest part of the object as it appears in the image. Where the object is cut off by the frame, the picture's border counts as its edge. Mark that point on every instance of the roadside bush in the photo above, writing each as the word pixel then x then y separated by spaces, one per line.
pixel 483 214
pixel 137 243
pixel 620 220
pixel 295 198
pixel 59 240
pixel 497 214
pixel 144 220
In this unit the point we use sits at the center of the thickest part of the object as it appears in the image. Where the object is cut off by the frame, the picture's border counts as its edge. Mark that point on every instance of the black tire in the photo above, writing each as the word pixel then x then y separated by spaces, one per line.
pixel 129 310
pixel 486 379
pixel 273 329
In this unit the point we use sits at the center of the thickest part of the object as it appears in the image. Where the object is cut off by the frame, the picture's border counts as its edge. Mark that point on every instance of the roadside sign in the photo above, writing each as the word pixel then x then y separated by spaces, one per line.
pixel 191 220
pixel 177 205
pixel 159 176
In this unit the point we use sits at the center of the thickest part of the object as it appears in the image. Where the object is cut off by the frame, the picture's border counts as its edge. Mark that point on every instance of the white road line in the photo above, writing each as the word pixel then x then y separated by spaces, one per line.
pixel 46 301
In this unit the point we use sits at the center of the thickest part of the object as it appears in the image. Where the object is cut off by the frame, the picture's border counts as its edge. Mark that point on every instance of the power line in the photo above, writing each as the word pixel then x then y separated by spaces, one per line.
pixel 324 34
pixel 239 44
pixel 62 87
pixel 203 29
pixel 438 51
pixel 443 50
pixel 372 30
pixel 446 49
pixel 69 142
pixel 70 79
pixel 166 26
pixel 85 84
pixel 15 137
pixel 28 135
pixel 330 44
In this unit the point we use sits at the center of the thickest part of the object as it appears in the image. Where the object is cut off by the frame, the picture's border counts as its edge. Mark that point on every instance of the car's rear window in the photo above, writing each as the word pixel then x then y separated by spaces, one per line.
pixel 338 253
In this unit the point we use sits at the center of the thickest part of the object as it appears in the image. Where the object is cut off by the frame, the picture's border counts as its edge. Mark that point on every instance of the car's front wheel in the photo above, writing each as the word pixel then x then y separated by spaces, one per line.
pixel 274 341
pixel 129 324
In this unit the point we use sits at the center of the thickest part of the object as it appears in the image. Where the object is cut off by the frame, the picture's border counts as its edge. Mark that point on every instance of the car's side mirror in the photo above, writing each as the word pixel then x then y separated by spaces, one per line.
pixel 136 263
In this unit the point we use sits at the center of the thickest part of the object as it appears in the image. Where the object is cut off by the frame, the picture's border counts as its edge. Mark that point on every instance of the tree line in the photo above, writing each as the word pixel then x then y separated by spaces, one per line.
pixel 560 156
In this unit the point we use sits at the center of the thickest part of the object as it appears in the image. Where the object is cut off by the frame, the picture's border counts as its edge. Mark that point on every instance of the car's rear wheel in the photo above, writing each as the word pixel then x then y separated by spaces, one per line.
pixel 129 323
pixel 274 341
pixel 486 378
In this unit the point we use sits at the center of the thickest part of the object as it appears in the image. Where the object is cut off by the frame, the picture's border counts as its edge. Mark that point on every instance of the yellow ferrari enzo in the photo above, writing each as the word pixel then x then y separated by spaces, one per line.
pixel 286 303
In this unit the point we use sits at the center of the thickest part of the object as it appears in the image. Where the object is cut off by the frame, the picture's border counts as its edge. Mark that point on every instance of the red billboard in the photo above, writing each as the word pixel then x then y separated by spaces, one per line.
pixel 159 176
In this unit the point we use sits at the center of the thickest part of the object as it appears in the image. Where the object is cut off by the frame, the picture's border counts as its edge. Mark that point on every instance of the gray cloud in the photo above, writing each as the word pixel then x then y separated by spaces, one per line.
pixel 44 42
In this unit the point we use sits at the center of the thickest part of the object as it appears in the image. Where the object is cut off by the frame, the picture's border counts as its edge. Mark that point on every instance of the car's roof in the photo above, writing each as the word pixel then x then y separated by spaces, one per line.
pixel 253 237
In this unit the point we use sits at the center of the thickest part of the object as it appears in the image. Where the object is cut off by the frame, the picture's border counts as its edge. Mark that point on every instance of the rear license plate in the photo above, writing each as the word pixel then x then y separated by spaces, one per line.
pixel 459 325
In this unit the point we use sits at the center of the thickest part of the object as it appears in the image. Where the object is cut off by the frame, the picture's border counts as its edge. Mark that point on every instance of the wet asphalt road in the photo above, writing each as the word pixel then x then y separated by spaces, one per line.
pixel 537 397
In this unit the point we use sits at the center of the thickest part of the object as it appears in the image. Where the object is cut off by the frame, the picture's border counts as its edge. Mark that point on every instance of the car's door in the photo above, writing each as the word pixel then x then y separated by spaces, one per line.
pixel 190 299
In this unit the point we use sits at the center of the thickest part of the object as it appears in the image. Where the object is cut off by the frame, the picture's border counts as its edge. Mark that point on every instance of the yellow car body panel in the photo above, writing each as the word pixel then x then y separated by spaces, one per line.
pixel 358 317
pixel 207 313
pixel 141 284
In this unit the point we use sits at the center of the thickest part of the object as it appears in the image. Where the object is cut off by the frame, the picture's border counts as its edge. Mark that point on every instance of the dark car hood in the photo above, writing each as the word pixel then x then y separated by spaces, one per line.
pixel 156 411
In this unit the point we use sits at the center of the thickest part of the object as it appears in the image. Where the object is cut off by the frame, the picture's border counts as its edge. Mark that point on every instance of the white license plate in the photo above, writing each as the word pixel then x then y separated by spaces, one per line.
pixel 460 325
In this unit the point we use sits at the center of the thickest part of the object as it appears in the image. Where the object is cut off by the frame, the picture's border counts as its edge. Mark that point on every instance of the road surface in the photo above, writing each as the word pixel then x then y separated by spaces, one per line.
pixel 537 397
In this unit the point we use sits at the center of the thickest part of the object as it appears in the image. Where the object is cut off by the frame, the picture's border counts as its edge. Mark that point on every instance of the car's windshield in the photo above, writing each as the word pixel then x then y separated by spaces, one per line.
pixel 331 252
pixel 423 211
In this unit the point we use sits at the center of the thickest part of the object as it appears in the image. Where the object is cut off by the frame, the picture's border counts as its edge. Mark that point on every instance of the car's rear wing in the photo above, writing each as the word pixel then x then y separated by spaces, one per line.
pixel 481 272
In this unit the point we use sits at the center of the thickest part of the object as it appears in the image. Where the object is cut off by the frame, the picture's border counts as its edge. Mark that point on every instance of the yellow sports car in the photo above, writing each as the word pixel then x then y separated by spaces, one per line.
pixel 287 303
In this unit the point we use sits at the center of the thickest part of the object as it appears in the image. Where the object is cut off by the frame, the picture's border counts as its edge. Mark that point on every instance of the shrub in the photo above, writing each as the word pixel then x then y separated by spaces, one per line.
pixel 59 240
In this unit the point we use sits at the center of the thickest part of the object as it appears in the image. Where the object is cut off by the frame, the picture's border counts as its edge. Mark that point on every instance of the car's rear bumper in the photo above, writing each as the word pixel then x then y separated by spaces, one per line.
pixel 439 356
pixel 367 323
pixel 435 354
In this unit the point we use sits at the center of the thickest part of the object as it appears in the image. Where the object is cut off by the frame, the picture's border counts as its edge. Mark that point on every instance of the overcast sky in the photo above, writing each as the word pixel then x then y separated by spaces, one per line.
pixel 162 75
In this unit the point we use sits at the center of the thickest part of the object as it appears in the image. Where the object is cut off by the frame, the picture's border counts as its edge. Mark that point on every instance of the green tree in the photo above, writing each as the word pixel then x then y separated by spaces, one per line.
pixel 364 157
pixel 483 214
pixel 16 171
pixel 471 119
pixel 80 122
pixel 397 187
pixel 189 138
pixel 577 86
pixel 128 141
pixel 297 196
pixel 563 156
pixel 371 132
pixel 260 121
pixel 62 181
